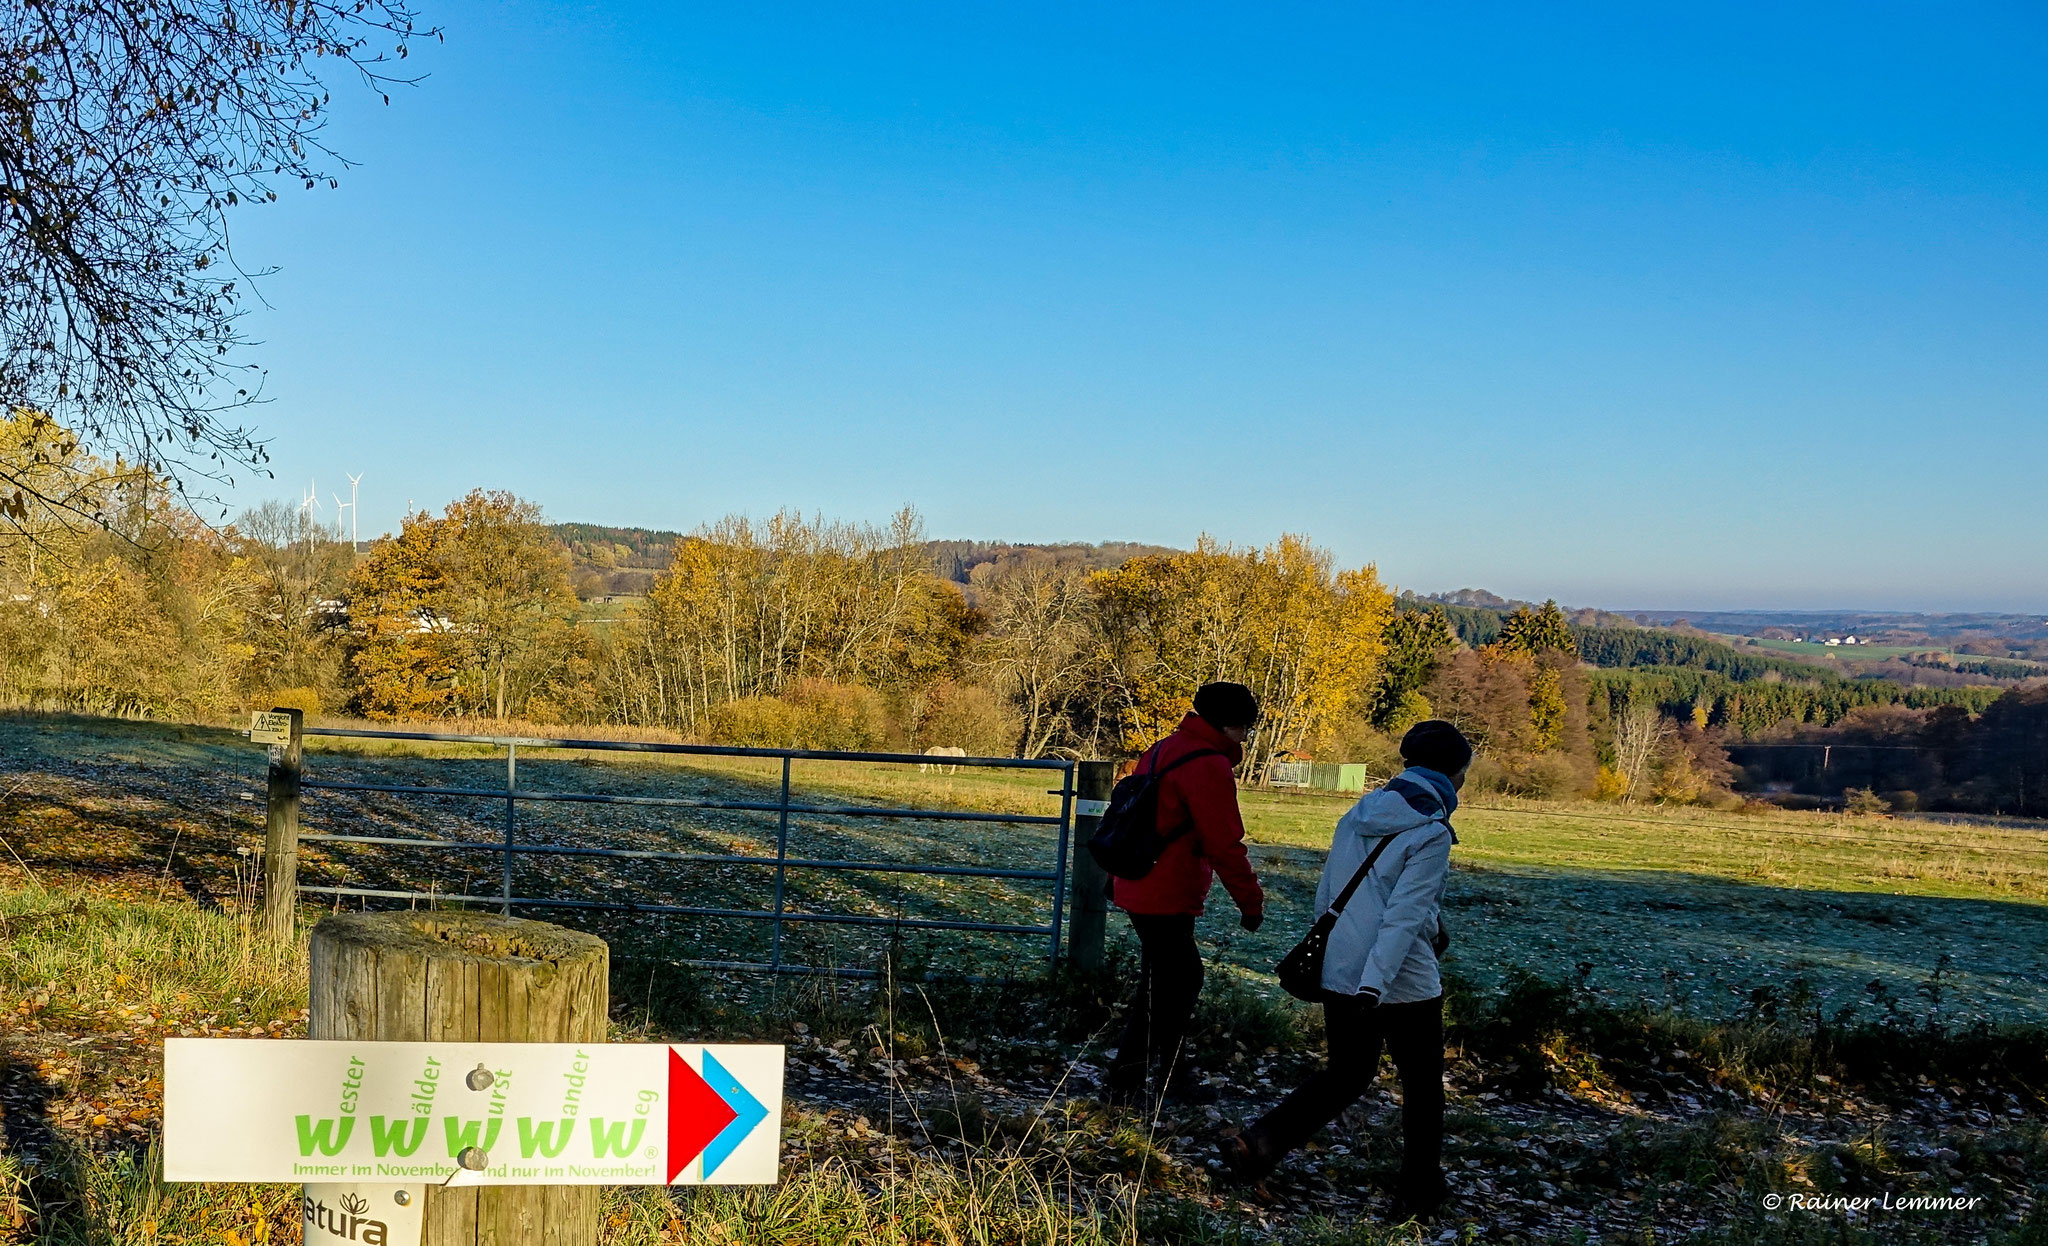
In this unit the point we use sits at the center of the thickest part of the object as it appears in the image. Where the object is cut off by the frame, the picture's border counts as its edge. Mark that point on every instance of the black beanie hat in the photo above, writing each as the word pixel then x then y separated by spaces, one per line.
pixel 1226 705
pixel 1436 745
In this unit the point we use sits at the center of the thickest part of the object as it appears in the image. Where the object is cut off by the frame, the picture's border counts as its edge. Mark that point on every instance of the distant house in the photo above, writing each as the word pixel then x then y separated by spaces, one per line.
pixel 328 612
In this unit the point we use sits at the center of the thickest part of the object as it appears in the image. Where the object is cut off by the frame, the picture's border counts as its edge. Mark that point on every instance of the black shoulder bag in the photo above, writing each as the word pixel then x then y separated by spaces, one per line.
pixel 1301 970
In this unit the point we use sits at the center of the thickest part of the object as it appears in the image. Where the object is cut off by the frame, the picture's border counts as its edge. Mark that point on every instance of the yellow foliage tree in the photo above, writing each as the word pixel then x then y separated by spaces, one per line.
pixel 400 652
pixel 113 598
pixel 1305 637
pixel 468 613
pixel 748 611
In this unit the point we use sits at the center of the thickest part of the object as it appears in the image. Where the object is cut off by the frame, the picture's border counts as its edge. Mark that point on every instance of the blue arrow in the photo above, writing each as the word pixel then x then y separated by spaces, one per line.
pixel 747 1113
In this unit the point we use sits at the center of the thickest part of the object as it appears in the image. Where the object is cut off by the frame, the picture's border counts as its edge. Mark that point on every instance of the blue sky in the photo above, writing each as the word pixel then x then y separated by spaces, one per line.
pixel 1720 306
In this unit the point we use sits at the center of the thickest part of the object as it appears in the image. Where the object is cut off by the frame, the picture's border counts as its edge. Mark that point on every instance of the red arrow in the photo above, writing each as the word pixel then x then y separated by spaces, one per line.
pixel 696 1115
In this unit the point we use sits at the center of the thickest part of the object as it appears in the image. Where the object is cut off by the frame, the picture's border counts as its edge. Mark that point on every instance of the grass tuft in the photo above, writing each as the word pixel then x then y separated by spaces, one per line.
pixel 78 960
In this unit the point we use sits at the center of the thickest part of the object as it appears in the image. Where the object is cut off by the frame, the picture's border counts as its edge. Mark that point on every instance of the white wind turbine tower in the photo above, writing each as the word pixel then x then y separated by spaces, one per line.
pixel 309 506
pixel 350 507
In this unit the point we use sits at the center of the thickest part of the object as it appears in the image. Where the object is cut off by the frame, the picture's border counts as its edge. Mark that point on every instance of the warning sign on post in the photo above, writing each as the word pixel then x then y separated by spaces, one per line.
pixel 269 727
pixel 477 1113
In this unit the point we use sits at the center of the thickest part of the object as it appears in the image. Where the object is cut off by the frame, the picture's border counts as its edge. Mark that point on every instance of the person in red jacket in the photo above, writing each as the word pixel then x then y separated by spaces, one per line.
pixel 1197 801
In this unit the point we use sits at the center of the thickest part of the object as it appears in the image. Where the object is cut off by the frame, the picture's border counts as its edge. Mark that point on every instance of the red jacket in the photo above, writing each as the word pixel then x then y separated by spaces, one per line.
pixel 1204 790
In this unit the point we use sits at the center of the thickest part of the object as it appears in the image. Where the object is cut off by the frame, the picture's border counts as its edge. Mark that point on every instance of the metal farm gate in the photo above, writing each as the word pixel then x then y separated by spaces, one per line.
pixel 713 839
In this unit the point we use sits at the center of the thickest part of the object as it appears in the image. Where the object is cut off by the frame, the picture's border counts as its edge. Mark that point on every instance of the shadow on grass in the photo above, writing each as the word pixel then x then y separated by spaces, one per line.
pixel 149 806
pixel 1700 944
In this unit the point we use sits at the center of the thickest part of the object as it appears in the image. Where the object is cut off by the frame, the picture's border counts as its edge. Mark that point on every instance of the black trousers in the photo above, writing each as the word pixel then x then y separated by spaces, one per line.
pixel 1414 1035
pixel 1155 1028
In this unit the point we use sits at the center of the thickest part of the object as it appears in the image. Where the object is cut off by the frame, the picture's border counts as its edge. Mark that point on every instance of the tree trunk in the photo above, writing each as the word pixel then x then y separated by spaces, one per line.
pixel 468 977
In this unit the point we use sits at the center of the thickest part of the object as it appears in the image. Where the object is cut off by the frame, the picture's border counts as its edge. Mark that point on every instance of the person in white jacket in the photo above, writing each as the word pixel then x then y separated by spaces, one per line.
pixel 1380 971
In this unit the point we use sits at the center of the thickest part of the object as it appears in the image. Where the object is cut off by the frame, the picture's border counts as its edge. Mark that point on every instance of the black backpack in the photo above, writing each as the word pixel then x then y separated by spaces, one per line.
pixel 1129 841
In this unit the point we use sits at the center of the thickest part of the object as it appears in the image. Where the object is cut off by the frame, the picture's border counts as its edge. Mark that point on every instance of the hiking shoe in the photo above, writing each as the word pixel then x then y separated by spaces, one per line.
pixel 1419 1206
pixel 1119 1094
pixel 1242 1164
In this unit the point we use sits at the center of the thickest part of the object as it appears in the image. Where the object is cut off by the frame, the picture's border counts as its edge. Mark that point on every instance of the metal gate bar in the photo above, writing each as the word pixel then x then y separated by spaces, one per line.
pixel 652 854
pixel 778 914
pixel 686 802
pixel 628 906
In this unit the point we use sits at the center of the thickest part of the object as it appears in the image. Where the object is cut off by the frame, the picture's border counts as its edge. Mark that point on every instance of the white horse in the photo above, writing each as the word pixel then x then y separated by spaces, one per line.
pixel 941 751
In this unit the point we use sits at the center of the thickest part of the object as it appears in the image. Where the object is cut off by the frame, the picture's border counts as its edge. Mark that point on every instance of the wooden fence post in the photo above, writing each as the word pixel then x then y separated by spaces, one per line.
pixel 1089 904
pixel 281 835
pixel 461 976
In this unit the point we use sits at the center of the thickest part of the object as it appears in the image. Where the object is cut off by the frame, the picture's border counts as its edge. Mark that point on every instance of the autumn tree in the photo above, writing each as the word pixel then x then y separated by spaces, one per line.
pixel 400 652
pixel 929 650
pixel 1040 620
pixel 1695 767
pixel 1305 637
pixel 141 613
pixel 505 592
pixel 967 716
pixel 748 610
pixel 1487 696
pixel 466 613
pixel 297 567
pixel 1541 640
pixel 1640 734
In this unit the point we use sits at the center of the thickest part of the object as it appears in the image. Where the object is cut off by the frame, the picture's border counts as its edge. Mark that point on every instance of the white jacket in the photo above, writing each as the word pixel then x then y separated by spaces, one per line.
pixel 1382 938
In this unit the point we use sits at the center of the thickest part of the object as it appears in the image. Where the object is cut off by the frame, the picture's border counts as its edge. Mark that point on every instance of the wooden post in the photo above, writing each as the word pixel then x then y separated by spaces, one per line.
pixel 468 977
pixel 281 835
pixel 1090 897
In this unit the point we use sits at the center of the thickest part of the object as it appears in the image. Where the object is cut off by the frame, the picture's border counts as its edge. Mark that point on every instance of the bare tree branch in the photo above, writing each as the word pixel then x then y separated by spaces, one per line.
pixel 128 129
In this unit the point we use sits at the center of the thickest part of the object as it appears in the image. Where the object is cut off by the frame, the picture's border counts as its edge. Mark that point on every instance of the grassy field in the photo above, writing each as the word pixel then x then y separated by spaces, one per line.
pixel 1693 908
pixel 1811 652
pixel 1656 1012
pixel 1700 909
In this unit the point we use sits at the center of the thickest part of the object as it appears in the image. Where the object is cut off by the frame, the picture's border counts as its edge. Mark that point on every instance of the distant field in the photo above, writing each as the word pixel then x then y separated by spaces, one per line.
pixel 1830 653
pixel 1699 908
pixel 1689 907
pixel 1808 851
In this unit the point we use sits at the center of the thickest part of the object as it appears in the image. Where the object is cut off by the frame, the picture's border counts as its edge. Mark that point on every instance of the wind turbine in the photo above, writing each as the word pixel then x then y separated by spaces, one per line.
pixel 309 507
pixel 350 507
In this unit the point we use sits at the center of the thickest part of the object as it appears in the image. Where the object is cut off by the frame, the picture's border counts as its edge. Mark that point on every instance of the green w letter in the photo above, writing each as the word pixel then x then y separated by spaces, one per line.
pixel 462 1133
pixel 615 1141
pixel 327 1134
pixel 387 1137
pixel 543 1138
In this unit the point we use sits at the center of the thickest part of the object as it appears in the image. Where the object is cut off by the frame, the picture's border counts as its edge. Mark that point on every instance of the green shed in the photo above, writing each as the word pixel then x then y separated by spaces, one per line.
pixel 1338 777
